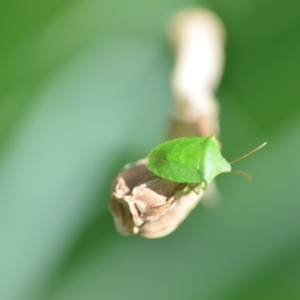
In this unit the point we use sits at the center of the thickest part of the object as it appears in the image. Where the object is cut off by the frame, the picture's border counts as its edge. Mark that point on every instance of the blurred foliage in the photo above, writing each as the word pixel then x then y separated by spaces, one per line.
pixel 76 78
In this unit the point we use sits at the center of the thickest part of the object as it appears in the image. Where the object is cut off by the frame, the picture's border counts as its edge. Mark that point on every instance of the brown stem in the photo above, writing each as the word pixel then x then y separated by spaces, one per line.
pixel 142 203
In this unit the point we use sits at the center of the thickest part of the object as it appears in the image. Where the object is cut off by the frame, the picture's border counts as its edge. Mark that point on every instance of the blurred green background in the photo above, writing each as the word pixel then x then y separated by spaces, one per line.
pixel 84 89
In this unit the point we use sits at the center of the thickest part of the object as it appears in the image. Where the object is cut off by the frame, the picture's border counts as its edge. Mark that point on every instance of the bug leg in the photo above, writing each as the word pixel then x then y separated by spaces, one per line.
pixel 203 185
pixel 197 189
pixel 191 186
pixel 186 188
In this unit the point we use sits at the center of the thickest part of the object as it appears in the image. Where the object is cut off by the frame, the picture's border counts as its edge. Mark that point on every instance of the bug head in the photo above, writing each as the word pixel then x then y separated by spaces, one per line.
pixel 225 166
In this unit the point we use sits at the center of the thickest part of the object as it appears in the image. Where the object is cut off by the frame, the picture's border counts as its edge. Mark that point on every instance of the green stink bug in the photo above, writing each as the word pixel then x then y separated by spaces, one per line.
pixel 190 160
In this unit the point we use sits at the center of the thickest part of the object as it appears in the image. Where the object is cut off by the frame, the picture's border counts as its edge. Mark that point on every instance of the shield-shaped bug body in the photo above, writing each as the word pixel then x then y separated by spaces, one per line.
pixel 191 160
pixel 188 160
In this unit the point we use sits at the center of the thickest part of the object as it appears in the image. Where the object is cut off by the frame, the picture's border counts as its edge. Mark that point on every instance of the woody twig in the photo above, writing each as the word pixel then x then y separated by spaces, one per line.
pixel 142 203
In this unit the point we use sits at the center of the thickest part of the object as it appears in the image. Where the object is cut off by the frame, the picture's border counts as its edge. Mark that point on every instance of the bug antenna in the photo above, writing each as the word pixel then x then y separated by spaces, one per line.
pixel 242 173
pixel 249 153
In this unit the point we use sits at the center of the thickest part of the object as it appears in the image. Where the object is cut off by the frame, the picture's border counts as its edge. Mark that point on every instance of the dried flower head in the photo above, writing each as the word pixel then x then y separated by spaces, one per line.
pixel 145 204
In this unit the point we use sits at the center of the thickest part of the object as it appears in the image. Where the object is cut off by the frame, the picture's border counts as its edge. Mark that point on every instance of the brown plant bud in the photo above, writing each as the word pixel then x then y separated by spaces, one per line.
pixel 145 204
